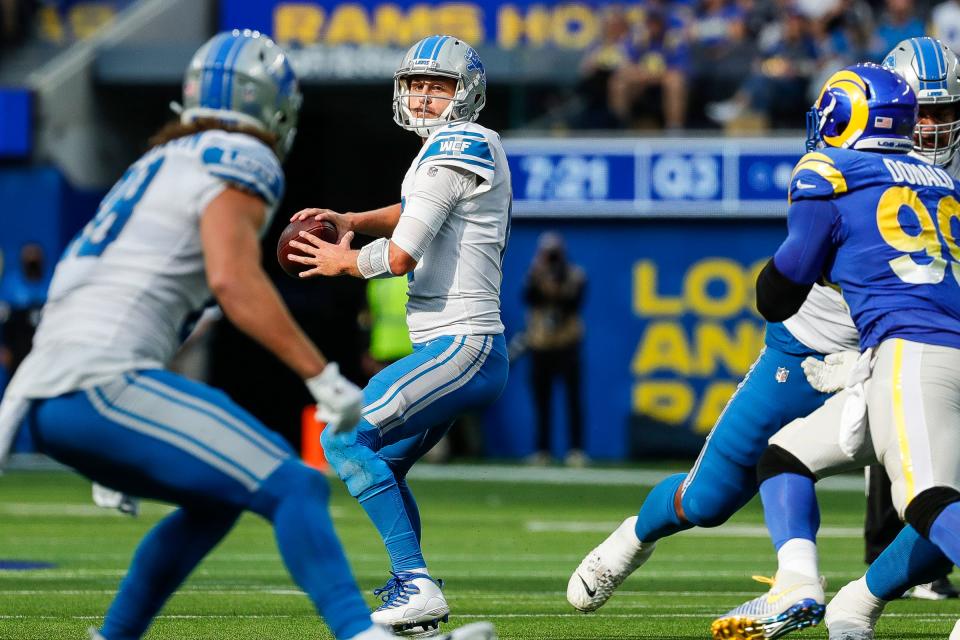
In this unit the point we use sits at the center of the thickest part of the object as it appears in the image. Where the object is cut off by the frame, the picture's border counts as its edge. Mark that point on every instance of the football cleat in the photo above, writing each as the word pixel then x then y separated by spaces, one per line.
pixel 94 634
pixel 939 589
pixel 852 614
pixel 413 604
pixel 793 602
pixel 107 498
pixel 955 634
pixel 606 567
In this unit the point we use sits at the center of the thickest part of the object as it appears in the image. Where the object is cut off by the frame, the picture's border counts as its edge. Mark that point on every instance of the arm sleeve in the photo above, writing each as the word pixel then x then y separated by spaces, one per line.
pixel 810 226
pixel 436 190
pixel 787 278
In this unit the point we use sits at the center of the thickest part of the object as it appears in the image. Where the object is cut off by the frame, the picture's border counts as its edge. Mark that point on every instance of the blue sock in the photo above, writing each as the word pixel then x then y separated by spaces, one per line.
pixel 658 518
pixel 164 559
pixel 410 506
pixel 295 499
pixel 906 562
pixel 790 508
pixel 385 505
pixel 945 532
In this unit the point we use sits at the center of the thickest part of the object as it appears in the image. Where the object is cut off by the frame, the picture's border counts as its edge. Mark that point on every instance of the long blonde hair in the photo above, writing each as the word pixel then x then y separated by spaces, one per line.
pixel 176 129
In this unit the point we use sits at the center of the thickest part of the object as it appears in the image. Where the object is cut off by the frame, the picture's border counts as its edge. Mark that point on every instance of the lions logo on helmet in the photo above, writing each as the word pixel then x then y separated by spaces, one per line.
pixel 933 72
pixel 243 78
pixel 864 107
pixel 448 57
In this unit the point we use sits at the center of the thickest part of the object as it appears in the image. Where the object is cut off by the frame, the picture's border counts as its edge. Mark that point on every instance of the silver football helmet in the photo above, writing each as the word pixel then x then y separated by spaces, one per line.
pixel 243 78
pixel 933 71
pixel 448 57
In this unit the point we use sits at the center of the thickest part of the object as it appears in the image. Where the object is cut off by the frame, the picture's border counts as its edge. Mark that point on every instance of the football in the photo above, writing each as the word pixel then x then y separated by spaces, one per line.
pixel 323 229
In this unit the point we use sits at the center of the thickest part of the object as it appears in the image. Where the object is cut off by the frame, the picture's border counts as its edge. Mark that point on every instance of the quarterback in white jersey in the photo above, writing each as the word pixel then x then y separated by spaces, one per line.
pixel 183 224
pixel 447 235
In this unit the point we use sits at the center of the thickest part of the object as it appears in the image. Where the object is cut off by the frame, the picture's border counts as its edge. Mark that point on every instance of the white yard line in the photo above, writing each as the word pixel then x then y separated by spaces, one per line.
pixel 723 531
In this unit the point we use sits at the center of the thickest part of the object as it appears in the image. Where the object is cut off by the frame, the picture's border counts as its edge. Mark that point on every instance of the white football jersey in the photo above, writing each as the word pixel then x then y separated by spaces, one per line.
pixel 823 323
pixel 127 285
pixel 455 287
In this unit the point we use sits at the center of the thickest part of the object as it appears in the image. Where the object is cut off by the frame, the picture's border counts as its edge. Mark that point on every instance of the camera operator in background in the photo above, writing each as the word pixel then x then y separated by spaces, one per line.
pixel 554 293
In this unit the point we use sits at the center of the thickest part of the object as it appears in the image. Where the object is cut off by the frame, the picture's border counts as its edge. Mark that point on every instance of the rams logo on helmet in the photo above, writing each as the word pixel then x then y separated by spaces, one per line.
pixel 864 107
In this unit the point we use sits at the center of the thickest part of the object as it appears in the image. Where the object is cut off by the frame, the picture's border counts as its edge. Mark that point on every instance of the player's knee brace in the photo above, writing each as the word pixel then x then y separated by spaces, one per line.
pixel 927 506
pixel 357 465
pixel 776 460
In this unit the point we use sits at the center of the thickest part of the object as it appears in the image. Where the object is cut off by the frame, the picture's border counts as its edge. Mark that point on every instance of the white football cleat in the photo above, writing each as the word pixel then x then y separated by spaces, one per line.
pixel 607 566
pixel 412 604
pixel 955 634
pixel 940 589
pixel 107 498
pixel 94 634
pixel 794 601
pixel 853 612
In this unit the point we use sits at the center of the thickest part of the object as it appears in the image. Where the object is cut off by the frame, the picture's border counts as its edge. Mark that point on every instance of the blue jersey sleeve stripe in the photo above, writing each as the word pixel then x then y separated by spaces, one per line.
pixel 480 161
pixel 446 156
pixel 477 150
pixel 258 188
pixel 483 165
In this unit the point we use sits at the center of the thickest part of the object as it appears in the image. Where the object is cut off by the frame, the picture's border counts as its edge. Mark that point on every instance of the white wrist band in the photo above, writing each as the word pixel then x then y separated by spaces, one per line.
pixel 373 261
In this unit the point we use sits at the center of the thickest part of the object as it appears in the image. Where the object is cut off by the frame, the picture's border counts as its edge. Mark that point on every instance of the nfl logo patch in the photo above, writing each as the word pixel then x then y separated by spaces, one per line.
pixel 883 122
pixel 782 374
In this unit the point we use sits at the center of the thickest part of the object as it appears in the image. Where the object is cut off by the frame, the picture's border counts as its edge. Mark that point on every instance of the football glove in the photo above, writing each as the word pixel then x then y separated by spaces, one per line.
pixel 339 401
pixel 830 374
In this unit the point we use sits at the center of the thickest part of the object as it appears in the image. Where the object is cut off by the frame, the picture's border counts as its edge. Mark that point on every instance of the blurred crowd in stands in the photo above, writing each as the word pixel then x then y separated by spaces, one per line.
pixel 742 64
pixel 16 19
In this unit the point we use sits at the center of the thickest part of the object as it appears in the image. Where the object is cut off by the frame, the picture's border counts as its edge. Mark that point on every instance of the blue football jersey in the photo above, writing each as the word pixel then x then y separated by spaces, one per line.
pixel 895 229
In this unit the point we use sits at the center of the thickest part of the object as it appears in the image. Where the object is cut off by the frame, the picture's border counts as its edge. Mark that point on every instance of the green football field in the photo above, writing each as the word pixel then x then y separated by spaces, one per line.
pixel 505 544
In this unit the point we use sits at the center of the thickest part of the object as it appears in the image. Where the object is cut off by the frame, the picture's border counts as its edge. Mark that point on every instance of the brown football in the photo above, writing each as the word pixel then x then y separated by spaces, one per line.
pixel 323 229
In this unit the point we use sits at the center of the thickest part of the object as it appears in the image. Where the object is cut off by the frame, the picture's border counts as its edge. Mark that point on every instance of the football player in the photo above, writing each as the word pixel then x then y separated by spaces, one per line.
pixel 933 71
pixel 898 267
pixel 447 234
pixel 723 478
pixel 183 223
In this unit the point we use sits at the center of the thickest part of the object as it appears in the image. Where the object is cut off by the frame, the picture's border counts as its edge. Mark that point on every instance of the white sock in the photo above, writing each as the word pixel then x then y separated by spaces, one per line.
pixel 799 555
pixel 627 536
pixel 419 570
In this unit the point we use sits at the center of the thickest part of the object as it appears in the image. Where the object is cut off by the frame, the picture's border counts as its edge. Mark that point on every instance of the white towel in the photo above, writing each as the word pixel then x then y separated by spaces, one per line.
pixel 853 417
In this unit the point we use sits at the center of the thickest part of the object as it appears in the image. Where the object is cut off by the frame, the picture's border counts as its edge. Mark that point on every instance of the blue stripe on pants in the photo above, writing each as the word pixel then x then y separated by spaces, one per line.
pixel 121 452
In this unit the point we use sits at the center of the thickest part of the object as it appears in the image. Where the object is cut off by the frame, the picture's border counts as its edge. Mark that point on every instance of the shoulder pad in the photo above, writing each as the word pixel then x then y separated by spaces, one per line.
pixel 247 163
pixel 817 175
pixel 469 150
